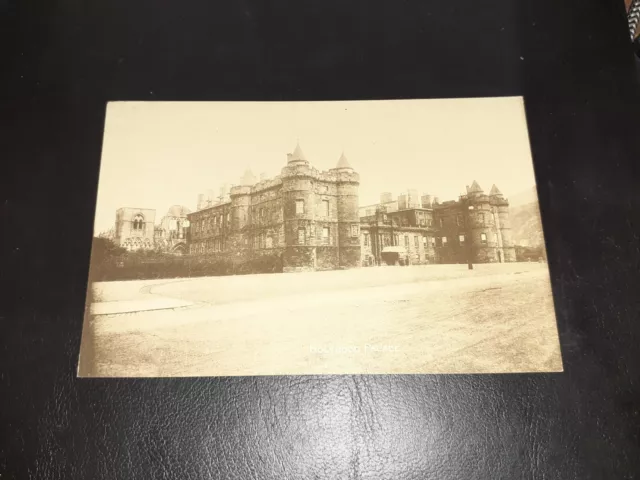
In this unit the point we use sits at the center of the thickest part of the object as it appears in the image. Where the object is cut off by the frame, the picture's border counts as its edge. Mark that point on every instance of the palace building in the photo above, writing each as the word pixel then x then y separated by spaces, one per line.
pixel 307 217
pixel 475 229
pixel 312 220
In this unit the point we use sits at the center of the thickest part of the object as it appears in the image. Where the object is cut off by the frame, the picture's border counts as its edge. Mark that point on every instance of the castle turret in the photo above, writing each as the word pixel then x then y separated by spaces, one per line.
pixel 299 211
pixel 343 163
pixel 475 190
pixel 500 207
pixel 297 157
pixel 248 179
pixel 481 225
pixel 240 196
pixel 347 183
pixel 495 192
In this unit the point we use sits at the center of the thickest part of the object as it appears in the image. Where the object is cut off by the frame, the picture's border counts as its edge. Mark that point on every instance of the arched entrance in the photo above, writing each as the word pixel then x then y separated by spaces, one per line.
pixel 179 248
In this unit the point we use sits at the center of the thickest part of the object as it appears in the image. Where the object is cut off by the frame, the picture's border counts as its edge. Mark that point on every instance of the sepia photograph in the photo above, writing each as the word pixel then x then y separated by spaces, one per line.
pixel 300 238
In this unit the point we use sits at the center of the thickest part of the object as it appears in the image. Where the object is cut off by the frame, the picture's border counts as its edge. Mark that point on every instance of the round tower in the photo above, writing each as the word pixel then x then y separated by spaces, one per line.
pixel 240 196
pixel 507 251
pixel 482 226
pixel 298 206
pixel 347 183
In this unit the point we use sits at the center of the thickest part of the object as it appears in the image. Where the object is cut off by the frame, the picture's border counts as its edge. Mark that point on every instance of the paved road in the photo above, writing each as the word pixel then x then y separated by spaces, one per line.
pixel 420 319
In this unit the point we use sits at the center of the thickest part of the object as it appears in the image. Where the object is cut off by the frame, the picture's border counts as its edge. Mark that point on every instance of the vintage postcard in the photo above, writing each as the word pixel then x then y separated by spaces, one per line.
pixel 292 238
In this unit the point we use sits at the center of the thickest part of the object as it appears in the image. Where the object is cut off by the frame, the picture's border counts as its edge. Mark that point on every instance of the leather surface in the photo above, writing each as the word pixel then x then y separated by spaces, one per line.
pixel 572 61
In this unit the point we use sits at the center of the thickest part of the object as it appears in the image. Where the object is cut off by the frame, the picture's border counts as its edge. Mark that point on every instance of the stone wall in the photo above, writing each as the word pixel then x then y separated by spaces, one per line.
pixel 326 257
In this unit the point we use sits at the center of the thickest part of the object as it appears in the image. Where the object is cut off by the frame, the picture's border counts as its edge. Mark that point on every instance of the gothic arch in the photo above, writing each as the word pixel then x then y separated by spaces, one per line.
pixel 138 222
pixel 179 248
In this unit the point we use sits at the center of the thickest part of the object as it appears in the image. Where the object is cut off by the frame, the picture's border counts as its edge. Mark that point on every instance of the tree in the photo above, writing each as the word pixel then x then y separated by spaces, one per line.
pixel 104 249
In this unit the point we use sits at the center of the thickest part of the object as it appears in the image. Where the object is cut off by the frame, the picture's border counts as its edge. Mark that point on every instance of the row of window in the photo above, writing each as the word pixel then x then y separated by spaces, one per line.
pixel 435 241
pixel 460 220
pixel 325 238
pixel 325 209
pixel 208 224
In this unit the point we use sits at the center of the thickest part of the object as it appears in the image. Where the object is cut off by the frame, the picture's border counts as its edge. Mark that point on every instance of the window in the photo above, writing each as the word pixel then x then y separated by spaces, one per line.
pixel 269 241
pixel 138 222
pixel 444 241
pixel 483 238
pixel 366 239
pixel 228 218
pixel 441 222
pixel 299 207
pixel 215 221
pixel 325 208
pixel 461 238
pixel 396 240
pixel 417 242
pixel 301 236
pixel 406 241
pixel 433 241
pixel 354 230
pixel 325 235
pixel 424 240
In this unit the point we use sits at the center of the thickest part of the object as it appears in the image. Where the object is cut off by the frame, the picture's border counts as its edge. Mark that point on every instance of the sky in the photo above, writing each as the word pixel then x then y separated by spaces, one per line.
pixel 159 154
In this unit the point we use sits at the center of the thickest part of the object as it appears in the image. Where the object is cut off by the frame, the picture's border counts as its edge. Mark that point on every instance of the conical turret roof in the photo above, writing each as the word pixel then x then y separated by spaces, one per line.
pixel 343 162
pixel 248 178
pixel 495 191
pixel 298 154
pixel 475 188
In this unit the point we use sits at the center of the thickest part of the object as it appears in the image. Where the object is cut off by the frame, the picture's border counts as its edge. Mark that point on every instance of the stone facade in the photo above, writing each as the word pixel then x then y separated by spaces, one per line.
pixel 475 228
pixel 135 229
pixel 306 217
pixel 311 220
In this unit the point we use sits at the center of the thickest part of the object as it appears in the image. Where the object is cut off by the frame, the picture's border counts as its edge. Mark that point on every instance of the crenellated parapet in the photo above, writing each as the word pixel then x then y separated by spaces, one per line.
pixel 237 190
pixel 267 185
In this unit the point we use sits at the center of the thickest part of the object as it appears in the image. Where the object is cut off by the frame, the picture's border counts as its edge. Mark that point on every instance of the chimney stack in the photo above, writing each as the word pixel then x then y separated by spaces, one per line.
pixel 386 197
pixel 200 201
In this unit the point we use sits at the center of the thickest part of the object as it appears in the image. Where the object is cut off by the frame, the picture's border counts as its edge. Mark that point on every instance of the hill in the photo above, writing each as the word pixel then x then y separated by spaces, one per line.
pixel 526 225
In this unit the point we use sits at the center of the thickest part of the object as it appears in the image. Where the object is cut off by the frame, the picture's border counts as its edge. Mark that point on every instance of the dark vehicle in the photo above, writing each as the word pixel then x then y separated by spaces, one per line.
pixel 395 256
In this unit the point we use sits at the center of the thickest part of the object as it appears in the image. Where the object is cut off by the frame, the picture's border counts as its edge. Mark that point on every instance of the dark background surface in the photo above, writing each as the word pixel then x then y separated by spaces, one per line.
pixel 572 60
